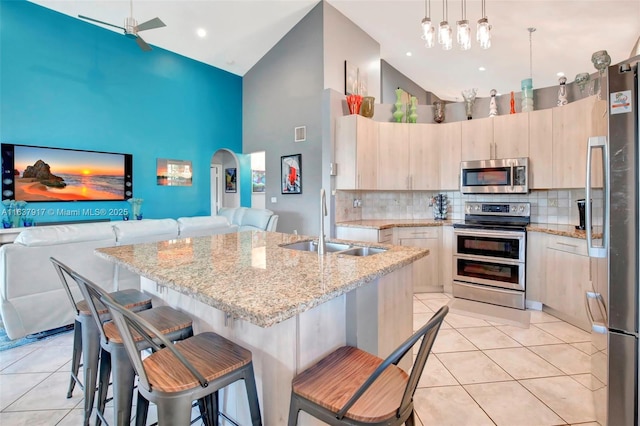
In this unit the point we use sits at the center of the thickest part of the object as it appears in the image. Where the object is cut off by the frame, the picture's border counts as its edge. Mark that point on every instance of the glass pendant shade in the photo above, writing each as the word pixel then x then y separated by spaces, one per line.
pixel 428 32
pixel 483 33
pixel 445 36
pixel 463 34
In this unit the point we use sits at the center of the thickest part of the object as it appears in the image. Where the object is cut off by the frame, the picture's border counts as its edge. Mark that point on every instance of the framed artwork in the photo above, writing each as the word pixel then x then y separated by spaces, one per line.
pixel 291 174
pixel 258 180
pixel 230 180
pixel 350 79
pixel 174 172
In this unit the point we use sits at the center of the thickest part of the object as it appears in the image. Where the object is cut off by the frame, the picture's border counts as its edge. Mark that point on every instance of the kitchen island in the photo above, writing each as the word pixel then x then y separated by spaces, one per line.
pixel 289 307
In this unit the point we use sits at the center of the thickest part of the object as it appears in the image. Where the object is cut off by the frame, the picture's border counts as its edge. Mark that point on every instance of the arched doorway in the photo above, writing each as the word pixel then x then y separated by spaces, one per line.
pixel 225 180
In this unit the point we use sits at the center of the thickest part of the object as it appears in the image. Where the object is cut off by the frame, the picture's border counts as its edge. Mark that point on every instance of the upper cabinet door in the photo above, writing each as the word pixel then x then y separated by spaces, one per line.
pixel 448 138
pixel 477 139
pixel 540 149
pixel 393 159
pixel 510 138
pixel 356 152
pixel 424 159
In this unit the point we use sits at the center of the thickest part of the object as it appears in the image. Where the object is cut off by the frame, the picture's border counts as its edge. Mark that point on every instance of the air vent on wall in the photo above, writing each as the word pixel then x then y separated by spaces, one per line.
pixel 300 134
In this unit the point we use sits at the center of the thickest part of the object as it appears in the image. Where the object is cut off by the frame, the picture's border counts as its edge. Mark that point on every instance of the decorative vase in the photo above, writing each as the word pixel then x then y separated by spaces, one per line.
pixel 493 107
pixel 512 102
pixel 562 91
pixel 581 80
pixel 469 99
pixel 398 114
pixel 527 95
pixel 366 109
pixel 601 60
pixel 438 111
pixel 354 102
pixel 413 116
pixel 440 203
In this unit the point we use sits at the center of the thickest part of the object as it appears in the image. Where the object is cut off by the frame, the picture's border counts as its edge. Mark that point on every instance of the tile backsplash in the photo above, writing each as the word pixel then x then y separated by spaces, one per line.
pixel 554 206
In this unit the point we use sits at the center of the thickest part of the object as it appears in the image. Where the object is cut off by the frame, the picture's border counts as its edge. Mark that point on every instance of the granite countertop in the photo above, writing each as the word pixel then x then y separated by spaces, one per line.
pixel 395 223
pixel 248 274
pixel 563 230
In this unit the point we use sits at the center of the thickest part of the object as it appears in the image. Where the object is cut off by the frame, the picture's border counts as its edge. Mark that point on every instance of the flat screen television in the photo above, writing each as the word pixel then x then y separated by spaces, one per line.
pixel 34 173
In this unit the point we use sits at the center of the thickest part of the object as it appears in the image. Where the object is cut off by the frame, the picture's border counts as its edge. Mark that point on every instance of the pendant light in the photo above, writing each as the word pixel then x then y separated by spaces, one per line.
pixel 463 31
pixel 428 30
pixel 444 31
pixel 483 32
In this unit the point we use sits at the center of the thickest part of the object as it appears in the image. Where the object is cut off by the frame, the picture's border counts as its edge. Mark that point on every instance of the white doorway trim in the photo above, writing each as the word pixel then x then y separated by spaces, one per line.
pixel 217 188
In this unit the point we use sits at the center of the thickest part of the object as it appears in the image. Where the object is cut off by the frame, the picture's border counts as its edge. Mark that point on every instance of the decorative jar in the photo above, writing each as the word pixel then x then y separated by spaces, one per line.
pixel 366 109
pixel 527 95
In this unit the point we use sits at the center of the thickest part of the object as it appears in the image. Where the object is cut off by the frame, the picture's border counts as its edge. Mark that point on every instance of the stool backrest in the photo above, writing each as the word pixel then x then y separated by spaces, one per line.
pixel 128 323
pixel 429 331
pixel 64 271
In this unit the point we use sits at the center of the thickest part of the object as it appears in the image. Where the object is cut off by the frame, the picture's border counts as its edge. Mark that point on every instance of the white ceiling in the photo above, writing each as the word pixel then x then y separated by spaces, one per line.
pixel 240 32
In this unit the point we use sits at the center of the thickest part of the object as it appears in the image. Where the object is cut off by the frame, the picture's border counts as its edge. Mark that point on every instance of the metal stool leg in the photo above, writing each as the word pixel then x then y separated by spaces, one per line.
pixel 174 411
pixel 103 384
pixel 123 380
pixel 90 351
pixel 142 409
pixel 252 395
pixel 294 409
pixel 75 359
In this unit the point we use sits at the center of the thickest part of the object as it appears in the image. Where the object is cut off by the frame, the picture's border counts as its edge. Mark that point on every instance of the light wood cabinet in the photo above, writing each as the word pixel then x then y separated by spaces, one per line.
pixel 448 138
pixel 446 259
pixel 370 235
pixel 425 270
pixel 536 266
pixel 477 139
pixel 393 163
pixel 573 124
pixel 424 158
pixel 541 149
pixel 510 138
pixel 356 152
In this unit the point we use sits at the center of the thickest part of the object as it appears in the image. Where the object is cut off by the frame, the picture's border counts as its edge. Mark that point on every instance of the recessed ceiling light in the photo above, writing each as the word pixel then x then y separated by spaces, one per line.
pixel 409 54
pixel 202 33
pixel 482 69
pixel 560 74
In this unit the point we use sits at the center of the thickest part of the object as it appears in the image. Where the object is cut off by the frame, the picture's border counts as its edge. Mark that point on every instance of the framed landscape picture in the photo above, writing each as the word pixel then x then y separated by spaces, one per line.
pixel 291 174
pixel 174 172
pixel 230 180
pixel 258 180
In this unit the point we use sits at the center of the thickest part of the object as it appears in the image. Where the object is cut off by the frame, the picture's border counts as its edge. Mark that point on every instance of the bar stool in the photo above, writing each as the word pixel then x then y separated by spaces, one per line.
pixel 86 337
pixel 174 324
pixel 177 374
pixel 353 387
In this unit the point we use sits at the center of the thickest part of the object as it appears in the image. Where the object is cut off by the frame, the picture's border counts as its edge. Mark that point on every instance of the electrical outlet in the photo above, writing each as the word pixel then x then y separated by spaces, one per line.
pixel 553 202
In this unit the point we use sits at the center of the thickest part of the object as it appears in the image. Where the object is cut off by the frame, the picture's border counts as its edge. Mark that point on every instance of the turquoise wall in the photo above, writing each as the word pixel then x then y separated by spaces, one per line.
pixel 70 84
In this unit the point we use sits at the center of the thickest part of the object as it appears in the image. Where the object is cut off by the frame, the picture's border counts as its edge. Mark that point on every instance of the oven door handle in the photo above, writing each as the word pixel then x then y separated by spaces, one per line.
pixel 483 233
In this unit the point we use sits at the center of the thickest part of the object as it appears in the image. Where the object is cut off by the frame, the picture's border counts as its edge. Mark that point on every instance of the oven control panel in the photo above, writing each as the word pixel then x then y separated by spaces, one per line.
pixel 498 209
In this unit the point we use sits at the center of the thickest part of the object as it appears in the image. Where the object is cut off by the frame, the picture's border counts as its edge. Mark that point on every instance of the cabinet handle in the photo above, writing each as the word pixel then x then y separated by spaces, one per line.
pixel 567 245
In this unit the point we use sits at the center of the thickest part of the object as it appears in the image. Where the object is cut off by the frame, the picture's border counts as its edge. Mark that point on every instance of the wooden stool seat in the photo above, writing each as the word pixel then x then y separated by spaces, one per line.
pixel 164 318
pixel 130 298
pixel 332 382
pixel 211 354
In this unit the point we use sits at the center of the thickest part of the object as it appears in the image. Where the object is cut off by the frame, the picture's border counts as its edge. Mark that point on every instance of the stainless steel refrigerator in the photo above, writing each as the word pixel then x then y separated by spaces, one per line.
pixel 613 300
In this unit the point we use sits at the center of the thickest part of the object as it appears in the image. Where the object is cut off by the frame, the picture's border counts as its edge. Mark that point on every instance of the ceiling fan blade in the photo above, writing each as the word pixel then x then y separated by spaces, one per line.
pixel 151 24
pixel 143 44
pixel 100 22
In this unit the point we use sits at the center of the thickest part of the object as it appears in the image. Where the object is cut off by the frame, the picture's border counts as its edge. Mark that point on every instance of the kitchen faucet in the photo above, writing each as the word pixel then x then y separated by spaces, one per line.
pixel 323 213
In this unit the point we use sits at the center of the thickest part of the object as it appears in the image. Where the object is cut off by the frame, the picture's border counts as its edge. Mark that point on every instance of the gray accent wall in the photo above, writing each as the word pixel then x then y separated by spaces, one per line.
pixel 392 79
pixel 281 92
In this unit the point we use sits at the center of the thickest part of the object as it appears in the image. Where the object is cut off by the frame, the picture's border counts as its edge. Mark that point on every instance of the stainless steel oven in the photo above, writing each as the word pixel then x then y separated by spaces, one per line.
pixel 490 254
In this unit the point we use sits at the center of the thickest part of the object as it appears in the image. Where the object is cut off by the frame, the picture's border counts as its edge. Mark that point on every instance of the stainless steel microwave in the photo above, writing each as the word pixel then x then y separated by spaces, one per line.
pixel 501 176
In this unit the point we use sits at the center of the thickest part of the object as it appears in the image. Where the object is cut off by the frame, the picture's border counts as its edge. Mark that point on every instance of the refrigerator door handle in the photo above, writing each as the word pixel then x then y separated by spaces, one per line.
pixel 597 142
pixel 596 326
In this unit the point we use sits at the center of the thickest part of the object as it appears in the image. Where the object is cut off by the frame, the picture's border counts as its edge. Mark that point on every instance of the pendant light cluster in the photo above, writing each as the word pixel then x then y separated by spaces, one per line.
pixel 463 29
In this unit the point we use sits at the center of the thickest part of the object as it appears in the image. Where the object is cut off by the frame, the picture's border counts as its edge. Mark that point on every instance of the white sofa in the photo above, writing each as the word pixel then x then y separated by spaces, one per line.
pixel 248 219
pixel 31 296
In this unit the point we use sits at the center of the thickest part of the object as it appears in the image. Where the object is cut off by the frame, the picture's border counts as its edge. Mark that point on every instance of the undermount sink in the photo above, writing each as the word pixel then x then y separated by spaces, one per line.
pixel 339 248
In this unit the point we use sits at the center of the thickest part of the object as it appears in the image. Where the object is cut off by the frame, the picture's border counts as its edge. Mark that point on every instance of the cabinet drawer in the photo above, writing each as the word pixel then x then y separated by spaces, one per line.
pixel 385 236
pixel 569 245
pixel 418 232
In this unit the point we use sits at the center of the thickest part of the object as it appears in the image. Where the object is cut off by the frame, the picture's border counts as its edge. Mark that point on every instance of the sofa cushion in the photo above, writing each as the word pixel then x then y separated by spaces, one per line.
pixel 204 225
pixel 146 230
pixel 63 234
pixel 229 213
pixel 258 218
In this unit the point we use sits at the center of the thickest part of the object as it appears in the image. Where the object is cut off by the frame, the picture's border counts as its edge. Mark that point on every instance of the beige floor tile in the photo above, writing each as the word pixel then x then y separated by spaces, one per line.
pixel 73 418
pixel 587 424
pixel 421 319
pixel 63 339
pixel 569 399
pixel 420 308
pixel 585 347
pixel 473 367
pixel 565 357
pixel 521 363
pixel 32 418
pixel 588 381
pixel 448 406
pixel 509 404
pixel 431 296
pixel 435 304
pixel 488 338
pixel 435 374
pixel 11 356
pixel 43 360
pixel 15 385
pixel 463 321
pixel 50 394
pixel 539 317
pixel 529 336
pixel 565 332
pixel 451 341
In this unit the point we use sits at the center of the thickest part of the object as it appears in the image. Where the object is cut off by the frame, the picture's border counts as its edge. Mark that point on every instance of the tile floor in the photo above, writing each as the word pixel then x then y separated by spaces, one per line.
pixel 479 373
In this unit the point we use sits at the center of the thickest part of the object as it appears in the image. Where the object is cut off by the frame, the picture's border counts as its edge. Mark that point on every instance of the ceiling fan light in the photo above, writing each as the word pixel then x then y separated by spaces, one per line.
pixel 428 32
pixel 445 35
pixel 463 34
pixel 483 33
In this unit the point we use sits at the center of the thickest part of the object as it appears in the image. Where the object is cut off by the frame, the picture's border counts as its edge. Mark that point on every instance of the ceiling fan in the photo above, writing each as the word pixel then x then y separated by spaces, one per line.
pixel 132 28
